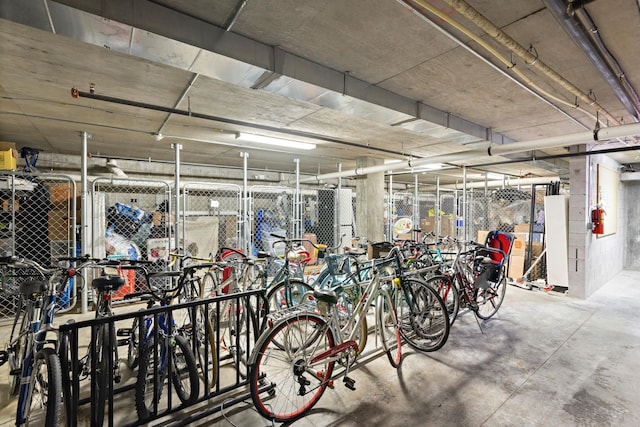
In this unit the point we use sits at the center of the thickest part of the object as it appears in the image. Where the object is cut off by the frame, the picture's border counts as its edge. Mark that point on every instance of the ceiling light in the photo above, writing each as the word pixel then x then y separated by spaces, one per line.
pixel 261 139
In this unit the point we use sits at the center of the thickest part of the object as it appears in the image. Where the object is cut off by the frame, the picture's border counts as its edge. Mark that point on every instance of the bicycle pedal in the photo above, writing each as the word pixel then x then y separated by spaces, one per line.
pixel 349 383
pixel 117 379
pixel 124 341
pixel 4 357
pixel 123 332
pixel 15 372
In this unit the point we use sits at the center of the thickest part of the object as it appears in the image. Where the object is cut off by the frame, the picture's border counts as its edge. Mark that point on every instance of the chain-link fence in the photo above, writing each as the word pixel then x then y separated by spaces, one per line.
pixel 514 210
pixel 131 219
pixel 271 214
pixel 38 222
pixel 210 217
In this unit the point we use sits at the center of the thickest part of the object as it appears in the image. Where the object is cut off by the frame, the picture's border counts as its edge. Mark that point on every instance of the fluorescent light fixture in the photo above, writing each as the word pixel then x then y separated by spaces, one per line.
pixel 261 139
pixel 427 168
pixel 392 161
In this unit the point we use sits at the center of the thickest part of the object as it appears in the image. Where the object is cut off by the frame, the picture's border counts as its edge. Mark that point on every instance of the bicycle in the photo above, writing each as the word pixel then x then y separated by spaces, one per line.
pixel 35 371
pixel 101 361
pixel 476 279
pixel 293 361
pixel 164 349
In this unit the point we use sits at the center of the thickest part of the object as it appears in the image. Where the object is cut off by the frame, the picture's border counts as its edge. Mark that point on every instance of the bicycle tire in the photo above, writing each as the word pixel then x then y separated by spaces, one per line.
pixel 147 394
pixel 64 353
pixel 293 386
pixel 18 351
pixel 490 299
pixel 133 346
pixel 101 381
pixel 389 331
pixel 449 294
pixel 42 409
pixel 286 294
pixel 231 325
pixel 184 372
pixel 424 321
pixel 204 338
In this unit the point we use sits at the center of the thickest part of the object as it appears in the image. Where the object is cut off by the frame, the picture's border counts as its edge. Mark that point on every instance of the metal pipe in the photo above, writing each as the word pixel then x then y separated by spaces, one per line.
pixel 502 183
pixel 602 134
pixel 244 227
pixel 297 213
pixel 176 208
pixel 86 218
pixel 463 8
pixel 595 51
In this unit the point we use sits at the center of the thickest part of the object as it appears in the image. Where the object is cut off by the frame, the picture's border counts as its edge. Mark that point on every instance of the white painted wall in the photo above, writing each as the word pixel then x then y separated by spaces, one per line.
pixel 592 260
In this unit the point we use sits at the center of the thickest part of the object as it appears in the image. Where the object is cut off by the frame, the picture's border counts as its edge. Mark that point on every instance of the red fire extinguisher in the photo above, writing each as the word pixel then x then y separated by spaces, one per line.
pixel 597 220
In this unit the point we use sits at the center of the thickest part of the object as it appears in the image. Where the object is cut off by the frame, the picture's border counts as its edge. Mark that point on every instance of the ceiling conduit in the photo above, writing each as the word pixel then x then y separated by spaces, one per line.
pixel 529 58
pixel 602 134
pixel 507 62
pixel 578 26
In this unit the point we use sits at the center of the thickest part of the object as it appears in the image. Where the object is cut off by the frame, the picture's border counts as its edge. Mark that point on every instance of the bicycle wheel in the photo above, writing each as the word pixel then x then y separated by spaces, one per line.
pixel 17 355
pixel 389 331
pixel 133 347
pixel 284 382
pixel 449 294
pixel 232 325
pixel 101 381
pixel 45 390
pixel 148 388
pixel 204 336
pixel 490 299
pixel 424 321
pixel 184 371
pixel 286 294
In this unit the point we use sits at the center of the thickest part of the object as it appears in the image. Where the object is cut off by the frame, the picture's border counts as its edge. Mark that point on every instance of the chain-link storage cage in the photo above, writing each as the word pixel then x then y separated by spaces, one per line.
pixel 129 218
pixel 271 214
pixel 426 208
pixel 403 216
pixel 329 216
pixel 209 220
pixel 514 210
pixel 38 222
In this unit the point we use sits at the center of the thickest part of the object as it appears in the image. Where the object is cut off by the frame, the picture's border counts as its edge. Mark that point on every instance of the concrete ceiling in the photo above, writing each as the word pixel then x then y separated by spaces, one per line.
pixel 390 79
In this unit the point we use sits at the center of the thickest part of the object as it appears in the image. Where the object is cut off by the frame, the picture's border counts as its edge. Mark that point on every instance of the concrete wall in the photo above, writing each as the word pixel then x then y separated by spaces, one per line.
pixel 631 222
pixel 592 260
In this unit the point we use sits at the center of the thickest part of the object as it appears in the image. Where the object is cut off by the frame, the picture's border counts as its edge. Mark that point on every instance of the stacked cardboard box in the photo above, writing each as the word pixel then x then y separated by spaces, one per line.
pixel 428 225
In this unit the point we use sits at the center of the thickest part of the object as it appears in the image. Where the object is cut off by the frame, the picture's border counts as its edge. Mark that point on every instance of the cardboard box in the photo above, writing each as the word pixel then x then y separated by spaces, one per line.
pixel 520 244
pixel 521 228
pixel 61 193
pixel 7 206
pixel 158 249
pixel 161 219
pixel 516 267
pixel 378 250
pixel 8 155
pixel 60 225
pixel 428 225
pixel 8 159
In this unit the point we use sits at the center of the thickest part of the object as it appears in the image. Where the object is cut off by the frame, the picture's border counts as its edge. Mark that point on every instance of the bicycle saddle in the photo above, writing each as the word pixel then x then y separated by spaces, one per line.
pixel 108 283
pixel 30 288
pixel 325 295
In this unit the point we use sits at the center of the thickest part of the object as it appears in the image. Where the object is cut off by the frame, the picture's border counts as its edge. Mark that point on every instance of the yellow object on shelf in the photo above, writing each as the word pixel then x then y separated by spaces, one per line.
pixel 8 159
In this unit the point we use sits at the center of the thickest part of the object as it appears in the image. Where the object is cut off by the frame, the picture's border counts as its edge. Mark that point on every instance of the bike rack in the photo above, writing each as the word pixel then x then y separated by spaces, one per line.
pixel 80 396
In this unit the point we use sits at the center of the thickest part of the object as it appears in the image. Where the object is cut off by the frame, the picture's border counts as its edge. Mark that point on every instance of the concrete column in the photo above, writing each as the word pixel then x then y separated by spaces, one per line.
pixel 579 176
pixel 370 201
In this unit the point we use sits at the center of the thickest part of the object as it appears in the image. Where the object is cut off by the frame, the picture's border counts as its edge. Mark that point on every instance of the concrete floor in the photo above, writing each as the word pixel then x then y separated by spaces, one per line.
pixel 545 359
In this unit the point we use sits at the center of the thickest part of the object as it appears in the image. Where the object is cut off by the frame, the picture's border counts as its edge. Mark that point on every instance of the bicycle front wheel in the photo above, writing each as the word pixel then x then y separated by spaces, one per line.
pixel 45 390
pixel 424 320
pixel 285 382
pixel 286 294
pixel 389 330
pixel 490 299
pixel 184 371
pixel 449 294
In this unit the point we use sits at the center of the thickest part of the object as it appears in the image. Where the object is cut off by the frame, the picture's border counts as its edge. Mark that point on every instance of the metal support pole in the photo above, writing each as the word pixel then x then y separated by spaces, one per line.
pixel 390 211
pixel 244 226
pixel 86 216
pixel 338 222
pixel 297 214
pixel 437 208
pixel 416 205
pixel 176 207
pixel 464 204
